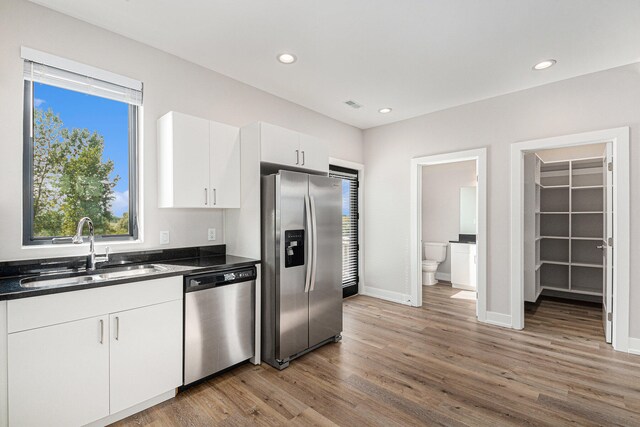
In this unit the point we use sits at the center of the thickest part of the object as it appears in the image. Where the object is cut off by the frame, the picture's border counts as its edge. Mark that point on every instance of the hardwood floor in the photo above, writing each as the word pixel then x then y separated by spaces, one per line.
pixel 434 365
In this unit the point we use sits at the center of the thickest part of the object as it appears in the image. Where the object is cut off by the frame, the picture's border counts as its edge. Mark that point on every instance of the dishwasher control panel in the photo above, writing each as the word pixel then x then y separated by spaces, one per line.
pixel 219 278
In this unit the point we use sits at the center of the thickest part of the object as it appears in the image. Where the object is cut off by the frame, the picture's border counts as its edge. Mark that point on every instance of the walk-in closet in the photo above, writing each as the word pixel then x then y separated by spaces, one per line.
pixel 565 223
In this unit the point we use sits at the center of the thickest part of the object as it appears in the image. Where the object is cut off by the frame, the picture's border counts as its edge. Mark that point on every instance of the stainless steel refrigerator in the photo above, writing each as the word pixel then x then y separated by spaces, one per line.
pixel 302 264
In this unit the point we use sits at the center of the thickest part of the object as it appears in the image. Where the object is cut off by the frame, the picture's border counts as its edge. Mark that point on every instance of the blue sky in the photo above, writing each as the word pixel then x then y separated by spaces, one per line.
pixel 346 187
pixel 108 118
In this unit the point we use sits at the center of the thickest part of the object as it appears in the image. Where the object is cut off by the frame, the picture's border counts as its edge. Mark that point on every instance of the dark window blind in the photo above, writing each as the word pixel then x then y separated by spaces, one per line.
pixel 350 217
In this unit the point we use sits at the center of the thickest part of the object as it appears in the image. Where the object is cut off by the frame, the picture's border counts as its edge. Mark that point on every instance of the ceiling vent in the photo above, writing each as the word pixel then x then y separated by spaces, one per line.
pixel 353 104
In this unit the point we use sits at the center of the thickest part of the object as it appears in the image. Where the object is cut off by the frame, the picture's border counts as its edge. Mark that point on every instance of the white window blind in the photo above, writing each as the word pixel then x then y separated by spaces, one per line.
pixel 350 217
pixel 80 78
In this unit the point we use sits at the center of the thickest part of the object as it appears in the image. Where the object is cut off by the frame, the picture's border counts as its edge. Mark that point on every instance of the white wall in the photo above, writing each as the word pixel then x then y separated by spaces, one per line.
pixel 441 203
pixel 601 100
pixel 169 84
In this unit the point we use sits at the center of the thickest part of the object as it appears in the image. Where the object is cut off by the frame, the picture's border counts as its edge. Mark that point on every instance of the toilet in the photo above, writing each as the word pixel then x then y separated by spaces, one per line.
pixel 433 253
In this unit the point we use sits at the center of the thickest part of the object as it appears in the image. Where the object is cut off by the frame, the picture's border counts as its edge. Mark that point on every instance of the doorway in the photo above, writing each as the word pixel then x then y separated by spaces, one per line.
pixel 566 216
pixel 449 228
pixel 479 156
pixel 350 174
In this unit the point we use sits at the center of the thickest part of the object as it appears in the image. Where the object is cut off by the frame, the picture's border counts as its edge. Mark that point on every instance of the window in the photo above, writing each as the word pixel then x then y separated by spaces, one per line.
pixel 80 144
pixel 350 217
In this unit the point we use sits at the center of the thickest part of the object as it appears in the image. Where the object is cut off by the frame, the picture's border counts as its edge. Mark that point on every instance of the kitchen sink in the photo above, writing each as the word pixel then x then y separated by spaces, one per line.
pixel 95 276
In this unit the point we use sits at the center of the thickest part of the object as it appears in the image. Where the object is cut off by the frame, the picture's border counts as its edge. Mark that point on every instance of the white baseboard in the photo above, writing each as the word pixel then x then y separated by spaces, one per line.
pixel 133 410
pixel 634 345
pixel 498 319
pixel 445 277
pixel 384 294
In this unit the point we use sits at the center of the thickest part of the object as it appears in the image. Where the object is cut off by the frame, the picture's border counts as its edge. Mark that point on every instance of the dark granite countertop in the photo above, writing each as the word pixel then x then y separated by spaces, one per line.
pixel 462 241
pixel 10 287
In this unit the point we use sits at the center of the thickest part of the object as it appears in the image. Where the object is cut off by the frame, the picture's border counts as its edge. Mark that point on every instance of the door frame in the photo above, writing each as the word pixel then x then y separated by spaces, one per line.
pixel 415 221
pixel 360 168
pixel 619 138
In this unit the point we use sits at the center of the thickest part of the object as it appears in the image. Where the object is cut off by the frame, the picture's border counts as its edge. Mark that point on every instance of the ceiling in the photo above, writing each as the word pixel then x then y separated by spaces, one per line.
pixel 415 56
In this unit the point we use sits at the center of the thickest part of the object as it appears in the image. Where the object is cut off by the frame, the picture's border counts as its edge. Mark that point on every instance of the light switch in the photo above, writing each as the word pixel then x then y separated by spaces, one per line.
pixel 211 234
pixel 164 237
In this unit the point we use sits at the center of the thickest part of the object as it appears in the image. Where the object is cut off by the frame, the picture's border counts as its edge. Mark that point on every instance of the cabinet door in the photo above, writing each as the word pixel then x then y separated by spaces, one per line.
pixel 190 151
pixel 224 165
pixel 146 353
pixel 279 145
pixel 463 266
pixel 314 154
pixel 59 375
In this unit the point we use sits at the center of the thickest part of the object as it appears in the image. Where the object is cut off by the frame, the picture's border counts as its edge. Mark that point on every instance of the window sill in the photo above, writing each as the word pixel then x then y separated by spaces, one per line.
pixel 75 245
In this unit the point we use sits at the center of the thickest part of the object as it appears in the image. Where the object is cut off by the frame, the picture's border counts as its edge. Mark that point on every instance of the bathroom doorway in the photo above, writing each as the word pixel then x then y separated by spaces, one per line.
pixel 462 220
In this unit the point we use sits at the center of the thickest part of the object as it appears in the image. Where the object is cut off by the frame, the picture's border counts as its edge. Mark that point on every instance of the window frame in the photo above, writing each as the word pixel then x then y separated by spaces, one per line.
pixel 354 177
pixel 28 239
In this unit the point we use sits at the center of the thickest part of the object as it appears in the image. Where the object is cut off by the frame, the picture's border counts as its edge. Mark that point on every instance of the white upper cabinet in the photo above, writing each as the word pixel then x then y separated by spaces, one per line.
pixel 183 161
pixel 314 153
pixel 279 145
pixel 198 163
pixel 224 164
pixel 286 147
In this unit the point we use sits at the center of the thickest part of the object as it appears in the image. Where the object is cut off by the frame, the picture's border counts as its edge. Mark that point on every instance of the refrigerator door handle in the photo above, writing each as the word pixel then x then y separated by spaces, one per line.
pixel 307 205
pixel 314 243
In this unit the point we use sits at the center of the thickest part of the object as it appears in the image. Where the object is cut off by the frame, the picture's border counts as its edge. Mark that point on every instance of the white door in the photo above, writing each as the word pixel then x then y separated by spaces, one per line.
pixel 279 145
pixel 313 153
pixel 224 164
pixel 607 248
pixel 146 353
pixel 190 161
pixel 59 375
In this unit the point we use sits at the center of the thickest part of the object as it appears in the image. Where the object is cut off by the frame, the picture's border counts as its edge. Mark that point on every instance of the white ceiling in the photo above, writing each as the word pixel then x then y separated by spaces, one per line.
pixel 416 56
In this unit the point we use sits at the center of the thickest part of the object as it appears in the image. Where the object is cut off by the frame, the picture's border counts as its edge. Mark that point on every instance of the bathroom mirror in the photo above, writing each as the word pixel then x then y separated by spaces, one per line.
pixel 468 210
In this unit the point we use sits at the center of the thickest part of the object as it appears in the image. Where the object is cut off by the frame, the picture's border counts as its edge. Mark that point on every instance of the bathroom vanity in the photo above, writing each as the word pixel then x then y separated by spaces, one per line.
pixel 463 264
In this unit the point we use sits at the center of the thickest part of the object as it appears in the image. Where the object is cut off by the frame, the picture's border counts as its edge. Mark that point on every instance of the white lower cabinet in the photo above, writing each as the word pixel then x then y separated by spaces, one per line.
pixel 146 348
pixel 463 265
pixel 59 375
pixel 69 369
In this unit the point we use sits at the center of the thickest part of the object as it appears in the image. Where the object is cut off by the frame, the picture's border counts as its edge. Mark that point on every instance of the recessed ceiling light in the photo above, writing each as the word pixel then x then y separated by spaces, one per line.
pixel 287 58
pixel 542 65
pixel 384 110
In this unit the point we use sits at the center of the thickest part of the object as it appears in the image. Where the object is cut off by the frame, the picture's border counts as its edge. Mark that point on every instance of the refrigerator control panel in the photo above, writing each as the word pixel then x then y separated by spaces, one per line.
pixel 293 248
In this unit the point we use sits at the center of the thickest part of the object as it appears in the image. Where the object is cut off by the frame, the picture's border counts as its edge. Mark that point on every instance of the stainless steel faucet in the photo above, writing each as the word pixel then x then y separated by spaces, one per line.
pixel 92 259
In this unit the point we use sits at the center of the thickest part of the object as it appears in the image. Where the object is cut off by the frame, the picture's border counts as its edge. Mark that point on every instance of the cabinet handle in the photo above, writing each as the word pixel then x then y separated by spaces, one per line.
pixel 215 197
pixel 297 157
pixel 206 196
pixel 101 331
pixel 117 328
pixel 302 157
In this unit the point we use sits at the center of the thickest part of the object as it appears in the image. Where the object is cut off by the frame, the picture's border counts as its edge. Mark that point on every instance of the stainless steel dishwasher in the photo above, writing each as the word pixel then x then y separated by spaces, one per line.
pixel 219 321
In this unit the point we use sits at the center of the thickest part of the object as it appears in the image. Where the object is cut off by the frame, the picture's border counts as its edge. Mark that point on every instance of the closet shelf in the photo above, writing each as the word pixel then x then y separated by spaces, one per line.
pixel 586 187
pixel 586 264
pixel 546 261
pixel 555 186
pixel 586 238
pixel 587 212
pixel 556 237
pixel 555 213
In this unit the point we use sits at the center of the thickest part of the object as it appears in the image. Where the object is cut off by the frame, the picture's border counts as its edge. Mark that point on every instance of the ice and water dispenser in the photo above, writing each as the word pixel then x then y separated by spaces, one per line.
pixel 294 248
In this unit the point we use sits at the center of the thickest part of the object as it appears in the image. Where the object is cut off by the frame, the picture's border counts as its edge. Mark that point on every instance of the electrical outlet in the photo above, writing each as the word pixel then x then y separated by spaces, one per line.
pixel 164 237
pixel 211 234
